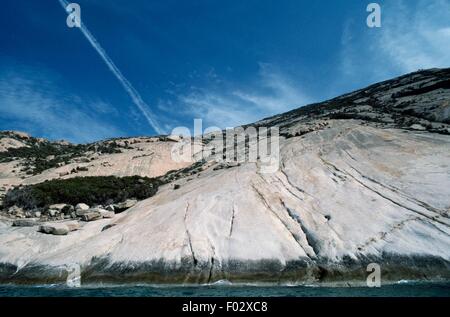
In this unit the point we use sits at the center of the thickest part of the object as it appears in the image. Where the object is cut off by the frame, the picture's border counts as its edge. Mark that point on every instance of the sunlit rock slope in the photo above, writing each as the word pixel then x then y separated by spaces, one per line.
pixel 363 178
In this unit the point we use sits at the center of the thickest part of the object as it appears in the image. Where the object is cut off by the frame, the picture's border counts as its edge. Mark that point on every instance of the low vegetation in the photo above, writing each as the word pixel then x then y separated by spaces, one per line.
pixel 193 169
pixel 91 190
pixel 40 156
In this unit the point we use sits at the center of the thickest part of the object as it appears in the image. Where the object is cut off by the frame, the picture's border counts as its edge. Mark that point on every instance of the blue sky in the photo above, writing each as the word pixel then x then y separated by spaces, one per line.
pixel 226 62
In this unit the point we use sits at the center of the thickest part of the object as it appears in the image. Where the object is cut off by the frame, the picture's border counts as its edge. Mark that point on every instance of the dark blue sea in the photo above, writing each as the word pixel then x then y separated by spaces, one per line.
pixel 422 289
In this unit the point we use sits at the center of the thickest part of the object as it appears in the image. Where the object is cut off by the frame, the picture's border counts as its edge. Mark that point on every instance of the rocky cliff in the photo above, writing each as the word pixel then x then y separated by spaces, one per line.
pixel 363 178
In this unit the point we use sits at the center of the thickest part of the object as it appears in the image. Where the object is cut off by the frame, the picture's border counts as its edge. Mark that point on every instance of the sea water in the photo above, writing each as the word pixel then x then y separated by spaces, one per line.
pixel 404 289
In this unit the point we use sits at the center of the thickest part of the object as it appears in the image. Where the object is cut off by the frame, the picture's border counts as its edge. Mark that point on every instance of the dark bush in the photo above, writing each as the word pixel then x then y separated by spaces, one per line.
pixel 91 190
pixel 36 154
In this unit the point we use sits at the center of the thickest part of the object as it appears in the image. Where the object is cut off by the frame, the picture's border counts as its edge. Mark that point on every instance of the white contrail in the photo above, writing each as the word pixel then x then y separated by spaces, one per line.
pixel 132 92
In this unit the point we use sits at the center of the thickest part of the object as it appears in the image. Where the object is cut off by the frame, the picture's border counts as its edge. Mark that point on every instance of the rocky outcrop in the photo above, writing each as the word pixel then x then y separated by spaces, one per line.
pixel 25 222
pixel 91 216
pixel 357 184
pixel 59 229
pixel 124 205
pixel 81 207
pixel 145 156
pixel 420 98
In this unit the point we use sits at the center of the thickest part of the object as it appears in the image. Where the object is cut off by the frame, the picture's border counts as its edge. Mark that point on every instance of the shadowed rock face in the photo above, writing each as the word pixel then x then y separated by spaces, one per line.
pixel 358 183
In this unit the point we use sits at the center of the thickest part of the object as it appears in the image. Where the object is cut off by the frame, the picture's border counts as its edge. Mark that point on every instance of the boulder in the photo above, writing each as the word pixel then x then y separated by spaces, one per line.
pixel 14 210
pixel 37 214
pixel 81 206
pixel 57 229
pixel 91 216
pixel 104 213
pixel 107 214
pixel 81 212
pixel 58 207
pixel 46 229
pixel 60 230
pixel 25 223
pixel 125 205
pixel 64 173
pixel 110 208
pixel 418 127
pixel 53 212
pixel 97 209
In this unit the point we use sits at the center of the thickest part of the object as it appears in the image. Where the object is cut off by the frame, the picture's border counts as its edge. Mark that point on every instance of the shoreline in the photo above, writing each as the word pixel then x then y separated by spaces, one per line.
pixel 410 289
pixel 228 284
pixel 394 268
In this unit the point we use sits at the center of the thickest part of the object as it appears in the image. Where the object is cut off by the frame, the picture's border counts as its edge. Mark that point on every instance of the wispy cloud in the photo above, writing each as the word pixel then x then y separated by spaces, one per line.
pixel 417 37
pixel 131 91
pixel 30 101
pixel 226 105
pixel 414 35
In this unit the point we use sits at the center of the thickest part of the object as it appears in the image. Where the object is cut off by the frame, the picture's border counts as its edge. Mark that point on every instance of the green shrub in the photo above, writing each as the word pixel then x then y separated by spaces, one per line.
pixel 91 190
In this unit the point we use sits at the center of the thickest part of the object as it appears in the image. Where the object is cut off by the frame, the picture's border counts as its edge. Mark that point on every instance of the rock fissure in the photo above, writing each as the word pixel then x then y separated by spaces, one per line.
pixel 385 196
pixel 284 225
pixel 232 221
pixel 309 239
pixel 194 259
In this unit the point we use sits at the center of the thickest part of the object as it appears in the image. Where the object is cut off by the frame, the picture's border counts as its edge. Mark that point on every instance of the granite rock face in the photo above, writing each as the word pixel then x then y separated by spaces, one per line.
pixel 356 185
pixel 421 98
